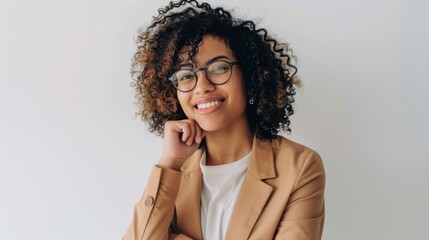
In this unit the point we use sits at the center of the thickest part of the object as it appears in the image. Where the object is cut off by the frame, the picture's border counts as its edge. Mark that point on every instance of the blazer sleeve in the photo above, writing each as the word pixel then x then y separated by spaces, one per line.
pixel 304 215
pixel 153 214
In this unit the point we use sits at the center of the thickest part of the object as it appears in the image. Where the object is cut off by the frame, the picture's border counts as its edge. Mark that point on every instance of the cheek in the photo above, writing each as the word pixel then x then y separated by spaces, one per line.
pixel 184 101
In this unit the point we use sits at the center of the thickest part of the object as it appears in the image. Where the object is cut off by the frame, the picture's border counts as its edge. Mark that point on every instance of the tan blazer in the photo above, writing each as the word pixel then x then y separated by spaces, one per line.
pixel 282 197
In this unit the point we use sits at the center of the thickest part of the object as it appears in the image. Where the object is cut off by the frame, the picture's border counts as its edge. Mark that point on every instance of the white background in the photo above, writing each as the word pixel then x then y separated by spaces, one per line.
pixel 74 160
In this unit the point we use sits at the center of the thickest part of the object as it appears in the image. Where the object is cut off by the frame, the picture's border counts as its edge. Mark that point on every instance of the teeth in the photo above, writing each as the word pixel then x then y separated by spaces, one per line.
pixel 208 105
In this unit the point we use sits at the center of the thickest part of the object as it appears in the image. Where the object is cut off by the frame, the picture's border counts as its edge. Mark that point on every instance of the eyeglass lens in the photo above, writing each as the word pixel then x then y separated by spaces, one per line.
pixel 218 72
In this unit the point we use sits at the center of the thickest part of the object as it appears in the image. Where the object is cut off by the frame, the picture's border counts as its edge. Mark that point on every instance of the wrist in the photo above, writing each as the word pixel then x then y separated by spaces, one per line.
pixel 170 163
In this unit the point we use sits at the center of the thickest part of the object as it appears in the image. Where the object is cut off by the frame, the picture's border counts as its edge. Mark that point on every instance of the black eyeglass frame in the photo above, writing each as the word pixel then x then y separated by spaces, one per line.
pixel 231 64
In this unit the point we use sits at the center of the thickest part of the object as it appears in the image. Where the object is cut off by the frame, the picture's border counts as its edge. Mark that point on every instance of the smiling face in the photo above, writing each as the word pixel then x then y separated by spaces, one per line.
pixel 216 108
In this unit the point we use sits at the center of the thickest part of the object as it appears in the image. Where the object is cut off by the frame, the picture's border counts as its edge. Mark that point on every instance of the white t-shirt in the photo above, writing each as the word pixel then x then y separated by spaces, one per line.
pixel 221 185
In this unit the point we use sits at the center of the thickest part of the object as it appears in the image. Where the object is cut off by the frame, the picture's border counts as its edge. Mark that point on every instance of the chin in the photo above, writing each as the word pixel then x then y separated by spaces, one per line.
pixel 207 126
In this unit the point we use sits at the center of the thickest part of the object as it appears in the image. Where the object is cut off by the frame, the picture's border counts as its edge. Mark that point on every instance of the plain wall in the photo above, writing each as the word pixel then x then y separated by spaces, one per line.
pixel 74 159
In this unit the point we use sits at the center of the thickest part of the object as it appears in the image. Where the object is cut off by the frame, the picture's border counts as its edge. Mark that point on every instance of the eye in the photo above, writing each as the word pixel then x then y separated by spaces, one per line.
pixel 184 76
pixel 219 67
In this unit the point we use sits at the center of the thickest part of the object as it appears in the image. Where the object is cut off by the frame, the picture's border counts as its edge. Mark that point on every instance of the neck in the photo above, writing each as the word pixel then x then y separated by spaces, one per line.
pixel 228 146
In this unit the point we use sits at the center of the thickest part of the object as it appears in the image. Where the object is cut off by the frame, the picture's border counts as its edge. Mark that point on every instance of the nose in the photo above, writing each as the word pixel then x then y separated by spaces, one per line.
pixel 203 84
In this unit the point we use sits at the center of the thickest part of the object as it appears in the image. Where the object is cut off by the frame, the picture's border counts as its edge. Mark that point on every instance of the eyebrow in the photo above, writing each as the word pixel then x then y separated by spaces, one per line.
pixel 216 58
pixel 207 63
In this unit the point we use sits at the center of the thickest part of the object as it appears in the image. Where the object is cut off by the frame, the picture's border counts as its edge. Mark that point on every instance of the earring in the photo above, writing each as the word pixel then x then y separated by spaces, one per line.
pixel 250 95
pixel 251 100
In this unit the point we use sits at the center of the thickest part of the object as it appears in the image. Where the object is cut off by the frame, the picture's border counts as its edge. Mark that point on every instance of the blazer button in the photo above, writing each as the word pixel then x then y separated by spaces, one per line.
pixel 149 201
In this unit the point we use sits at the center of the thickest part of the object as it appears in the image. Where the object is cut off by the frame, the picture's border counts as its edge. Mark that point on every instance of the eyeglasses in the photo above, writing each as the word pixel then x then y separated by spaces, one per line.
pixel 217 72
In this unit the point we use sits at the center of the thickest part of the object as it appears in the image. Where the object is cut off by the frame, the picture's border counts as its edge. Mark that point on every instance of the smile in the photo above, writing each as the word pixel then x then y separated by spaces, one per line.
pixel 208 105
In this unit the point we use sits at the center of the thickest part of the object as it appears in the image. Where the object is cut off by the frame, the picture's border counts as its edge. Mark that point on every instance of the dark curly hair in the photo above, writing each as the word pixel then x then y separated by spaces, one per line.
pixel 267 65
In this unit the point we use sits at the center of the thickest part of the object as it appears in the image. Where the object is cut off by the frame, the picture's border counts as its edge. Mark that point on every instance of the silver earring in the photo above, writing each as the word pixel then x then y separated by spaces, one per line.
pixel 250 95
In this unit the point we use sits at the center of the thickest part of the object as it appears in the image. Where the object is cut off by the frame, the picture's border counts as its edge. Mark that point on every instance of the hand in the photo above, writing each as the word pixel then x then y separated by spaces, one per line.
pixel 181 140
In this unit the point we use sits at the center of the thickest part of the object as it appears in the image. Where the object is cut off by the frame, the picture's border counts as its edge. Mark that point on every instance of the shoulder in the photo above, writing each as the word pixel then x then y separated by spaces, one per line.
pixel 292 156
pixel 282 145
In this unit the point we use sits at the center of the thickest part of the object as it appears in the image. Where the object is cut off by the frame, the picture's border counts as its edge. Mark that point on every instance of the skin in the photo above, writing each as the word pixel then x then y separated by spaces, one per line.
pixel 225 127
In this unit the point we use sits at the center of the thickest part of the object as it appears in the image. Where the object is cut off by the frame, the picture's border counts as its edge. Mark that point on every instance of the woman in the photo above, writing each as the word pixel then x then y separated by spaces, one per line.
pixel 220 90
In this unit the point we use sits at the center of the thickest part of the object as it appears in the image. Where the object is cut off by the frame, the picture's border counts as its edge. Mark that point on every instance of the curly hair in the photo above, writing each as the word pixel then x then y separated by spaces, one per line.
pixel 267 65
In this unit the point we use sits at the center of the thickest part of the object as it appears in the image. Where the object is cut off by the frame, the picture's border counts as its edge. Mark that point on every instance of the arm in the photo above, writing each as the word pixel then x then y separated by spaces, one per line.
pixel 153 214
pixel 304 215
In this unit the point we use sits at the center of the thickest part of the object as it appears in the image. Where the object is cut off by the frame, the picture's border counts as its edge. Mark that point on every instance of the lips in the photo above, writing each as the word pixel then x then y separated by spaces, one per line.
pixel 205 103
pixel 208 105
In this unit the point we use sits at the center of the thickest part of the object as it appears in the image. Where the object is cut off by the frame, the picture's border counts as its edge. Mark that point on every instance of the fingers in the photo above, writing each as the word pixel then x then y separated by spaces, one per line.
pixel 191 131
pixel 181 140
pixel 183 129
pixel 199 134
pixel 188 130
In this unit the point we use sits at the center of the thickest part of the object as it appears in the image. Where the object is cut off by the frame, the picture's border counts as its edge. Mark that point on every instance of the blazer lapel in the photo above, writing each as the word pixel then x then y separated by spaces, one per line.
pixel 188 200
pixel 254 192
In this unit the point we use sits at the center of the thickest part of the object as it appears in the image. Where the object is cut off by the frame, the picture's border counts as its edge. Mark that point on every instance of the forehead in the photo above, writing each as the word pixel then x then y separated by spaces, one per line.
pixel 210 47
